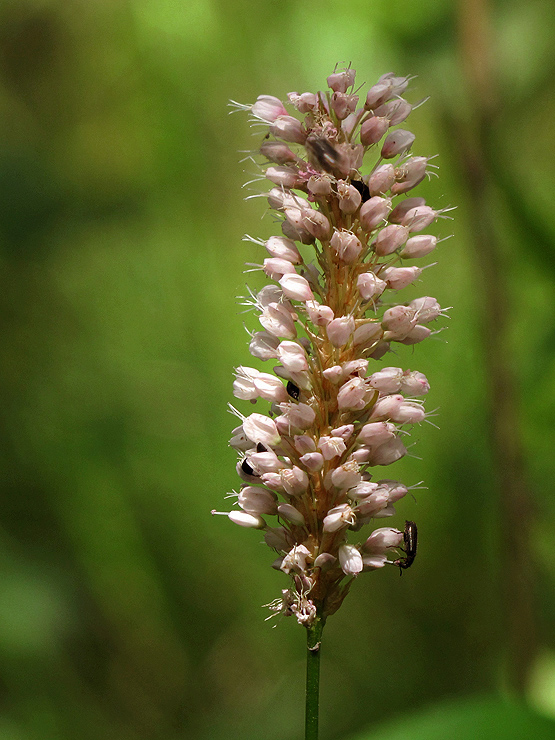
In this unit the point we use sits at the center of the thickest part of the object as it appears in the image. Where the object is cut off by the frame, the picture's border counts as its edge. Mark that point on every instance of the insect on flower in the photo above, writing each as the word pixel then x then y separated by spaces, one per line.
pixel 410 541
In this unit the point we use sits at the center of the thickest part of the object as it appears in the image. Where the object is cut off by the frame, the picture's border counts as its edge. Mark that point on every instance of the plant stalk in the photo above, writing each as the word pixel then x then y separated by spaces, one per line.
pixel 313 649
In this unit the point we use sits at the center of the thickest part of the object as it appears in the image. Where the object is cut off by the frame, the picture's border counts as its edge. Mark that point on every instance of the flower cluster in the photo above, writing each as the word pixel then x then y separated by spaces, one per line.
pixel 332 417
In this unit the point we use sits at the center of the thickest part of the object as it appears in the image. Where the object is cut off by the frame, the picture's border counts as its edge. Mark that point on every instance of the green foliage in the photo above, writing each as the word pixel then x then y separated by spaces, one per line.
pixel 486 718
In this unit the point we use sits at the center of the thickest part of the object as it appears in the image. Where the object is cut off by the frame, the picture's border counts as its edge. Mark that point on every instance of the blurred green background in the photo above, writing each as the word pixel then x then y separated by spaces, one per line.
pixel 126 611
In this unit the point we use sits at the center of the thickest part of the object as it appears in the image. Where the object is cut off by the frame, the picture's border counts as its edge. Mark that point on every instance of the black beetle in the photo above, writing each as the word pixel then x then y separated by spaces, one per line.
pixel 410 538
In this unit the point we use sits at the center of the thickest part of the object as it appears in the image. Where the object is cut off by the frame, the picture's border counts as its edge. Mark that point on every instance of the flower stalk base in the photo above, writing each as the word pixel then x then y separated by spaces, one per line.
pixel 313 650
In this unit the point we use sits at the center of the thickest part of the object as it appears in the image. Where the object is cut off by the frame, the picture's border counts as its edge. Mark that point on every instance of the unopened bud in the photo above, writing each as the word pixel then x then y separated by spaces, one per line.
pixel 349 197
pixel 339 330
pixel 419 246
pixel 382 179
pixel 397 142
pixel 373 129
pixel 288 128
pixel 374 212
pixel 267 108
pixel 277 152
pixel 346 245
pixel 341 81
pixel 390 238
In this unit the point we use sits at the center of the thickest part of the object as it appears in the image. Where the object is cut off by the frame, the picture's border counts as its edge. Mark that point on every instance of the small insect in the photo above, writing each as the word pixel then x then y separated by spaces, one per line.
pixel 247 469
pixel 410 537
pixel 362 188
pixel 293 390
pixel 324 155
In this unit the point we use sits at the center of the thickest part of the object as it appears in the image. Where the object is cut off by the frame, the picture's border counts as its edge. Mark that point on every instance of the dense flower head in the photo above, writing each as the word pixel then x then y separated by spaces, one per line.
pixel 327 321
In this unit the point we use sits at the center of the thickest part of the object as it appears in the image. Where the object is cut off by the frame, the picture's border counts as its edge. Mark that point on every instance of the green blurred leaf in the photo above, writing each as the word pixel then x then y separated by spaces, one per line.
pixel 488 718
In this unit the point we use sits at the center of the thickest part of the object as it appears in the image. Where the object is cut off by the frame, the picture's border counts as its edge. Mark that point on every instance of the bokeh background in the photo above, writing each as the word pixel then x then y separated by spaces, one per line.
pixel 126 611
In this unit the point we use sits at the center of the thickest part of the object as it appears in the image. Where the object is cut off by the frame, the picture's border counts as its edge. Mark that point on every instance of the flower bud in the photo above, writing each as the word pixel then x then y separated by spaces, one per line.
pixel 261 429
pixel 304 103
pixel 334 374
pixel 367 334
pixel 277 152
pixel 419 246
pixel 409 175
pixel 370 285
pixel 296 232
pixel 371 505
pixel 399 321
pixel 426 309
pixel 388 453
pixel 374 212
pixel 343 104
pixel 331 447
pixel 355 367
pixel 257 500
pixel 400 211
pixel 386 407
pixel 378 94
pixel 263 345
pixel 395 490
pixel 279 198
pixel 419 218
pixel 300 415
pixel 373 129
pixel 319 314
pixel 244 519
pixel 304 444
pixel 278 320
pixel 292 356
pixel 267 108
pixel 409 412
pixel 362 490
pixel 349 197
pixel 346 245
pixel 338 518
pixel 313 461
pixel 283 248
pixel 288 128
pixel 289 512
pixel 417 334
pixel 270 388
pixel 389 239
pixel 383 539
pixel 341 81
pixel 275 267
pixel 396 111
pixel 350 560
pixel 296 287
pixel 352 395
pixel 295 481
pixel 387 380
pixel 414 383
pixel 339 330
pixel 319 185
pixel 398 278
pixel 324 561
pixel 376 433
pixel 287 177
pixel 397 142
pixel 381 180
pixel 346 475
pixel 345 431
pixel 317 224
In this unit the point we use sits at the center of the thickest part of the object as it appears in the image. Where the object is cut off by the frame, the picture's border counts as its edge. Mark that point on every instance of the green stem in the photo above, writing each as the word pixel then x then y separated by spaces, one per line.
pixel 313 644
